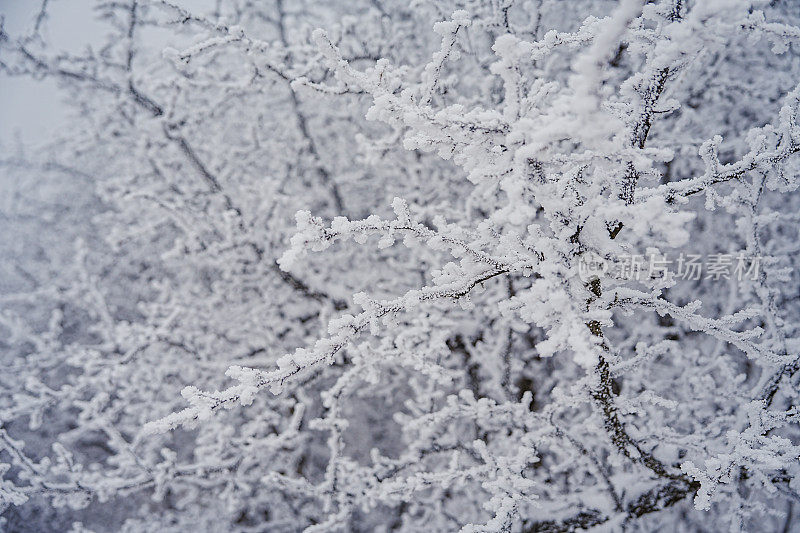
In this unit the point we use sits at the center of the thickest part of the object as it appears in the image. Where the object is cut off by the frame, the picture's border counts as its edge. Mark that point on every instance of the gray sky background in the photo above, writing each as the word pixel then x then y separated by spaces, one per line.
pixel 31 110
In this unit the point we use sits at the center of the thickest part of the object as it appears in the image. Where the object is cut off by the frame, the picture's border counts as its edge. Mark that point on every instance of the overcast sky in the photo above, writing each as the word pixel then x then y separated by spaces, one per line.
pixel 32 108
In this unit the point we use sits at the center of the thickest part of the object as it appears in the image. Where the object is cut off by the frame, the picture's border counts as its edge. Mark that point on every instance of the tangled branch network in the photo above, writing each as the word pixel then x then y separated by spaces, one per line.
pixel 320 266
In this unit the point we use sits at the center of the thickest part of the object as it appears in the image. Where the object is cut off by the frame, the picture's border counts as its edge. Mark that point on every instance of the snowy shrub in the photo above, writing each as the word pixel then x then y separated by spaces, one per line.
pixel 459 265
